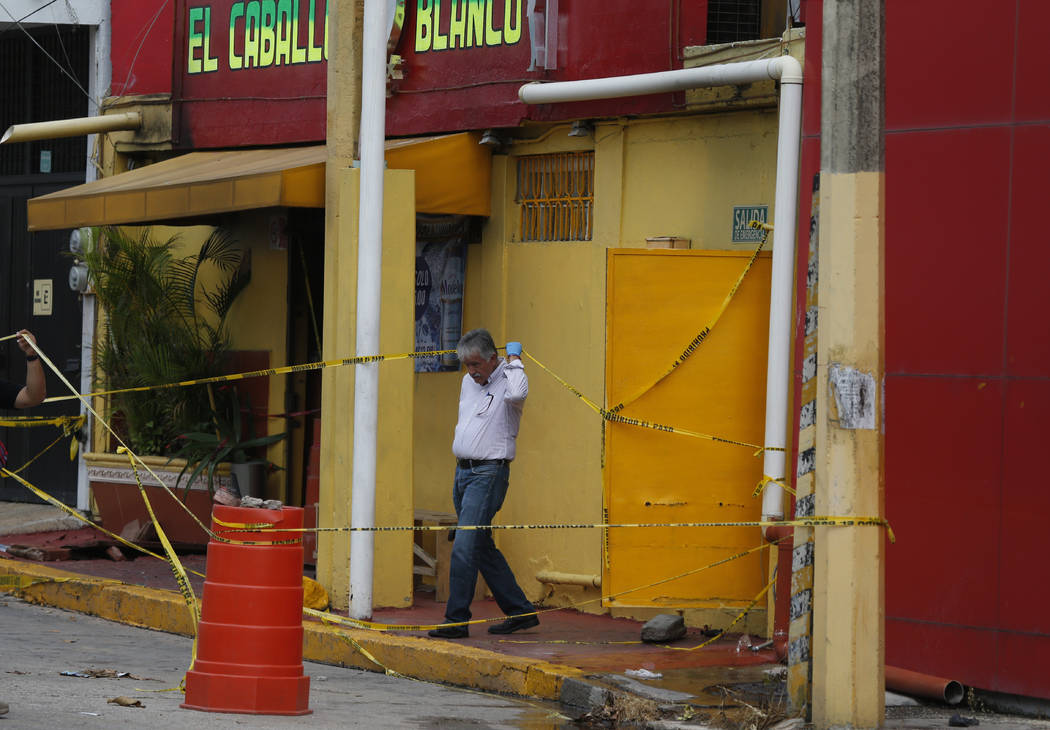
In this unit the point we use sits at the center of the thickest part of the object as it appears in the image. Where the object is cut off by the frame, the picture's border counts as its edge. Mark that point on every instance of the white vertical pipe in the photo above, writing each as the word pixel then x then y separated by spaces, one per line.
pixel 98 87
pixel 785 220
pixel 785 216
pixel 369 271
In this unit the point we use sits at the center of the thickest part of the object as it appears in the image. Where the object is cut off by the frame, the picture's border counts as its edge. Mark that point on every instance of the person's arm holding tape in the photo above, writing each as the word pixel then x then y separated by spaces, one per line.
pixel 35 389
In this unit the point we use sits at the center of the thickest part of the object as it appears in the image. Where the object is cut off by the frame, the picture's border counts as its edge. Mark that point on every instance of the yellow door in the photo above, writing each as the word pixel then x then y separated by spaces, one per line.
pixel 658 303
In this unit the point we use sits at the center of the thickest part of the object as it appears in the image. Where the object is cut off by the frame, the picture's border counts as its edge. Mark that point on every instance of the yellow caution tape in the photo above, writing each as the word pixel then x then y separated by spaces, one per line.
pixel 766 479
pixel 612 417
pixel 70 511
pixel 14 583
pixel 821 521
pixel 67 423
pixel 366 654
pixel 174 563
pixel 39 454
pixel 131 455
pixel 372 626
pixel 285 370
pixel 697 341
pixel 242 525
pixel 732 623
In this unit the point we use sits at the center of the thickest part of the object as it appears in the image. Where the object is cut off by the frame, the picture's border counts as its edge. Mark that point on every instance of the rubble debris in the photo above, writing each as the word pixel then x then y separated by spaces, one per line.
pixel 125 702
pixel 663 628
pixel 39 554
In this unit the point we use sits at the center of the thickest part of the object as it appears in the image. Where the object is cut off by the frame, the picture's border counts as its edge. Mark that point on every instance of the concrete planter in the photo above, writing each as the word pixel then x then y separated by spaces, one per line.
pixel 118 502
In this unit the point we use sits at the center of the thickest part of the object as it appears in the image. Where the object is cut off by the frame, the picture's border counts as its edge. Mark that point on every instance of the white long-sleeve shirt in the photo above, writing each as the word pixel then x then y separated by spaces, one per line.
pixel 490 414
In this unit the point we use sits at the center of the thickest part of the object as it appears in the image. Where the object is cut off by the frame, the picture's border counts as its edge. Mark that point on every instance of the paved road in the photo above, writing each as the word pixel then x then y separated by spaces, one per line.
pixel 37 643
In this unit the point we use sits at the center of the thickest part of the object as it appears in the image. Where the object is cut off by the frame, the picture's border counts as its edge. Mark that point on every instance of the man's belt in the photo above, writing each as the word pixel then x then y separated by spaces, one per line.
pixel 471 463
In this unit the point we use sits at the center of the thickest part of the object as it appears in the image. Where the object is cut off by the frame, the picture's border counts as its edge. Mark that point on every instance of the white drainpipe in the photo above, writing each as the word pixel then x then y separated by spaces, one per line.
pixel 98 88
pixel 789 72
pixel 369 271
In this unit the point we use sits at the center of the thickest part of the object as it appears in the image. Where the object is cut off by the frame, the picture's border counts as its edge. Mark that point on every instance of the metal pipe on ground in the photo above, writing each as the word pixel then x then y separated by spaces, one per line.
pixel 553 577
pixel 917 684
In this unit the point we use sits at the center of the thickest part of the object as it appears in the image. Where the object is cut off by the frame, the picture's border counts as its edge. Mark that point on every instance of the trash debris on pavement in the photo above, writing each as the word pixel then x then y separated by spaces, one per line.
pixel 125 702
pixel 105 674
pixel 642 674
pixel 963 721
pixel 314 595
pixel 743 643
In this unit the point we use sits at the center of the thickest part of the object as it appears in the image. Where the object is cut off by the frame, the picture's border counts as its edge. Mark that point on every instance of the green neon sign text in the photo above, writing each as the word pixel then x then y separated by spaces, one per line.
pixel 467 24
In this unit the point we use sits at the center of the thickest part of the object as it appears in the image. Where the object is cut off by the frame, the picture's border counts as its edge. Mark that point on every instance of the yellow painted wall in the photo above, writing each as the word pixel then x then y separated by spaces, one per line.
pixel 676 176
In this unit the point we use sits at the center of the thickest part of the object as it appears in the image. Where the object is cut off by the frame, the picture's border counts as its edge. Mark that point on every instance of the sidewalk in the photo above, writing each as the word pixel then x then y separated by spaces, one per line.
pixel 575 659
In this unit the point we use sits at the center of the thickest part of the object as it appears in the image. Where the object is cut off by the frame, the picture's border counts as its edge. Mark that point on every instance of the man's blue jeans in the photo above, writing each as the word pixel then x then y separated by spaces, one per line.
pixel 478 495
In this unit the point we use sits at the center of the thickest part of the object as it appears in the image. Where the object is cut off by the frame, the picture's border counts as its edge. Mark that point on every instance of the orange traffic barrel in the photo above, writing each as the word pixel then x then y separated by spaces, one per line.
pixel 250 638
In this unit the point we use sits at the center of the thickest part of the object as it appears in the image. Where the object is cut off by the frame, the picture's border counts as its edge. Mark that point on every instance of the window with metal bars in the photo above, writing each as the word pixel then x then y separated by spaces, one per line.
pixel 35 89
pixel 729 21
pixel 556 195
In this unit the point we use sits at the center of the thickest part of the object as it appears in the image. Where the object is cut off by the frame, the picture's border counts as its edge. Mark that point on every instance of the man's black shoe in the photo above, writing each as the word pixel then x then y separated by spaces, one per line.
pixel 450 632
pixel 514 624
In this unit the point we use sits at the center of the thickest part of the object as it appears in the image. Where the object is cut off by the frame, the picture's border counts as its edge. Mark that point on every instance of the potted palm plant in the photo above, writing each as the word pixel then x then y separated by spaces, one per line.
pixel 226 440
pixel 164 322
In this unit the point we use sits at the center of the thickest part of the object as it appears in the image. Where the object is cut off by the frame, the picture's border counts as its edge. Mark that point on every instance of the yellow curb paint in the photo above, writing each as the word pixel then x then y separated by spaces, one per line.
pixel 419 658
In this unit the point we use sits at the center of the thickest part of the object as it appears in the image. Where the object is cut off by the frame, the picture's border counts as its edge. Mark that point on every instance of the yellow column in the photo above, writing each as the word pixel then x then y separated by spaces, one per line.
pixel 849 611
pixel 340 296
pixel 849 580
pixel 394 498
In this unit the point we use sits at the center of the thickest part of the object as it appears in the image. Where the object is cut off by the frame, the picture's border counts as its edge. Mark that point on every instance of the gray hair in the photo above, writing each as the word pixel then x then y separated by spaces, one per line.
pixel 476 342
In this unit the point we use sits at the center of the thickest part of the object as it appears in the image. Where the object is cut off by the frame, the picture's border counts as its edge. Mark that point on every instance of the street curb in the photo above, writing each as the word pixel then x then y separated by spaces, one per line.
pixel 424 659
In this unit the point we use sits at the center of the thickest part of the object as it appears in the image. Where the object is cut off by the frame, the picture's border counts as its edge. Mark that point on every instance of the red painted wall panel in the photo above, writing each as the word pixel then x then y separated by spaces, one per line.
pixel 1033 101
pixel 143 36
pixel 811 89
pixel 1018 661
pixel 1024 584
pixel 946 203
pixel 474 88
pixel 942 474
pixel 956 652
pixel 948 63
pixel 1028 323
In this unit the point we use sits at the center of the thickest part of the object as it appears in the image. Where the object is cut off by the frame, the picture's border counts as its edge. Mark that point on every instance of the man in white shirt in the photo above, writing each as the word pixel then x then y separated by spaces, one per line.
pixel 491 400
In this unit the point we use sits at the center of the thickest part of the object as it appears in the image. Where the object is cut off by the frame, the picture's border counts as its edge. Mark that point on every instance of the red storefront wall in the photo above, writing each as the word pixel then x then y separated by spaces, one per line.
pixel 967 336
pixel 443 90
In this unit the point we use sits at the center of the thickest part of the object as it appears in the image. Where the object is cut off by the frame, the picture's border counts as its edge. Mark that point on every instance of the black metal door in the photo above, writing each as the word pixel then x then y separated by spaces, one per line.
pixel 36 264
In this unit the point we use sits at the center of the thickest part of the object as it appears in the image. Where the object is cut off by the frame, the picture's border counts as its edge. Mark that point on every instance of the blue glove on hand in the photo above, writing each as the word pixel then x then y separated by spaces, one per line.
pixel 514 348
